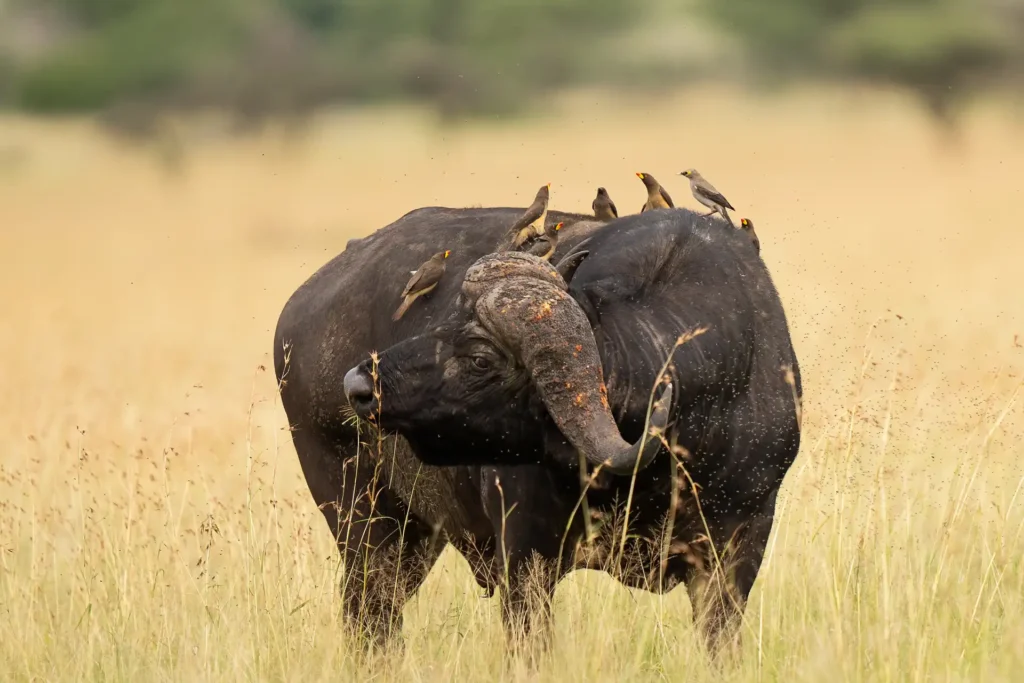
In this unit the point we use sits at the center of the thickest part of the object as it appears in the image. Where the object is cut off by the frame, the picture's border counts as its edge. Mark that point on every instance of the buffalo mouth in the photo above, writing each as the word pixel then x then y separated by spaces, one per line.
pixel 359 391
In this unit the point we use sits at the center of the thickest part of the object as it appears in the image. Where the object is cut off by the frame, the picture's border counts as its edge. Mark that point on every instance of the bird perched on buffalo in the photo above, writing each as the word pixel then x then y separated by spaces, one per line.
pixel 423 281
pixel 705 193
pixel 544 246
pixel 531 223
pixel 748 227
pixel 603 206
pixel 657 197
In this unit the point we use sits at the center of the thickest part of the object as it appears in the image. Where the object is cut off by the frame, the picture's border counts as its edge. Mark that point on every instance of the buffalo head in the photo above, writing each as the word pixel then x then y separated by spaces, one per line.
pixel 515 365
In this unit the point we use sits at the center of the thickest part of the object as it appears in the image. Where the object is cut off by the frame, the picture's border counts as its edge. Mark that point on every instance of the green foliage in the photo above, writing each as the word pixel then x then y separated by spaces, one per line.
pixel 6 78
pixel 782 34
pixel 459 54
pixel 318 15
pixel 148 47
pixel 96 12
pixel 263 57
pixel 920 44
pixel 939 49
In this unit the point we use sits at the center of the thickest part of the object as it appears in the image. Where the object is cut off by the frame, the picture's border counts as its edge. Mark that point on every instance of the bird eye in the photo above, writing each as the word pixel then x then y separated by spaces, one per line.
pixel 481 362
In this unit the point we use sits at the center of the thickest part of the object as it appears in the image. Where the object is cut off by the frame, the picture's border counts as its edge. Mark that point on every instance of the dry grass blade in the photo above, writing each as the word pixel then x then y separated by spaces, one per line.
pixel 155 522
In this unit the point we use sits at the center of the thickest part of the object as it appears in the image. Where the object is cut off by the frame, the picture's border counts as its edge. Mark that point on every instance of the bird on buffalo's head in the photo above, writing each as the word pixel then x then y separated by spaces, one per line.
pixel 705 193
pixel 603 206
pixel 747 226
pixel 657 197
pixel 544 246
pixel 423 281
pixel 531 223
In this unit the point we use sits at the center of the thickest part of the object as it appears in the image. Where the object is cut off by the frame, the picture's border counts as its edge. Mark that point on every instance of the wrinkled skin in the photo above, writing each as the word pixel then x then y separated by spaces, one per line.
pixel 479 390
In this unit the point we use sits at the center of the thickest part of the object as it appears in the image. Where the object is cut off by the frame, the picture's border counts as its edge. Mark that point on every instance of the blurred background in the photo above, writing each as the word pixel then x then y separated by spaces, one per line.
pixel 172 170
pixel 287 126
pixel 134 59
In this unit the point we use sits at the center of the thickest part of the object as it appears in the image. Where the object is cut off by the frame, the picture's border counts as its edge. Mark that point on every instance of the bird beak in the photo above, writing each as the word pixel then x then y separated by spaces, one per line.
pixel 446 253
pixel 640 176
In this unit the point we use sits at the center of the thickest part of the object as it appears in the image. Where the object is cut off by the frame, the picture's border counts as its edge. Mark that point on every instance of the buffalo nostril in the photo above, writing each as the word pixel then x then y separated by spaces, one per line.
pixel 358 387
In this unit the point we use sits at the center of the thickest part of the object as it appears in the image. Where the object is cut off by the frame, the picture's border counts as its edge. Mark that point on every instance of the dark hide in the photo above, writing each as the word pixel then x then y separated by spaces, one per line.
pixel 455 386
pixel 332 322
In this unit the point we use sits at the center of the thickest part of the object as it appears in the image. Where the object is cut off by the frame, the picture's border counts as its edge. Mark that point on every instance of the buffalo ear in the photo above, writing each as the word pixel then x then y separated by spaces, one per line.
pixel 569 263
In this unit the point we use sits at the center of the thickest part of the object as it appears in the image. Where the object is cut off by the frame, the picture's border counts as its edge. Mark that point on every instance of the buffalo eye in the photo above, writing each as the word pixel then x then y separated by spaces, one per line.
pixel 481 362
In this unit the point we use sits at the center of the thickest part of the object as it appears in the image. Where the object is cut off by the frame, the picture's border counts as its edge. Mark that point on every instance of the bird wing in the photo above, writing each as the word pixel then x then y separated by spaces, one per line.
pixel 611 205
pixel 535 211
pixel 666 197
pixel 429 275
pixel 417 275
pixel 708 191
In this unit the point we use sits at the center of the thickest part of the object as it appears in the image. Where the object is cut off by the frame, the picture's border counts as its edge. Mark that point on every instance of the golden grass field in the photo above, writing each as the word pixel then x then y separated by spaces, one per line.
pixel 154 524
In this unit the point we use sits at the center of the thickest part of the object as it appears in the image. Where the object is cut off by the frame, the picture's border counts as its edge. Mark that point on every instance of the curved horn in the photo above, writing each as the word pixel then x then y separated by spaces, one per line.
pixel 647 447
pixel 570 262
pixel 496 268
pixel 550 334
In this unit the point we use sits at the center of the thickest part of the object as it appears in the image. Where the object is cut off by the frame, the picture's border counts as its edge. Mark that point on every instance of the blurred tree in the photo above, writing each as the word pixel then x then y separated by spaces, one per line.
pixel 6 79
pixel 130 49
pixel 941 50
pixel 264 58
pixel 96 12
pixel 318 15
pixel 274 55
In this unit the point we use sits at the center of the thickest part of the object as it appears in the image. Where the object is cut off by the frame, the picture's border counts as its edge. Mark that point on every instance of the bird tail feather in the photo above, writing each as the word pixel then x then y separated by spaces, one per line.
pixel 406 303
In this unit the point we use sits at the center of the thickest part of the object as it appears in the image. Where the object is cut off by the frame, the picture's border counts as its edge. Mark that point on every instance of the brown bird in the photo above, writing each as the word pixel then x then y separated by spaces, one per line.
pixel 748 227
pixel 531 223
pixel 603 206
pixel 545 245
pixel 423 281
pixel 705 193
pixel 657 197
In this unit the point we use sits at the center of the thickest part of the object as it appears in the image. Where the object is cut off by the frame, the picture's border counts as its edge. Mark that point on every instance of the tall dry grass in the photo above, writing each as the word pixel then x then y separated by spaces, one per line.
pixel 153 521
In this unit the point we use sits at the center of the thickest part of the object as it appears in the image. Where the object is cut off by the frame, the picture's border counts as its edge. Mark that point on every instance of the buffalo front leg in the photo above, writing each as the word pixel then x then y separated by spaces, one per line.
pixel 383 568
pixel 527 589
pixel 717 609
pixel 720 586
pixel 386 552
pixel 530 510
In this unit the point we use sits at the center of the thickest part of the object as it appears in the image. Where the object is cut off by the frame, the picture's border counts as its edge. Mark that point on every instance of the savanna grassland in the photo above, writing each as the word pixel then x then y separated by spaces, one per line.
pixel 154 524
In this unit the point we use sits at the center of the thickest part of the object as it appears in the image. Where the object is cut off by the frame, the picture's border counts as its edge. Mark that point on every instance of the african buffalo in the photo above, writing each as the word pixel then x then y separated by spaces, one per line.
pixel 515 387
